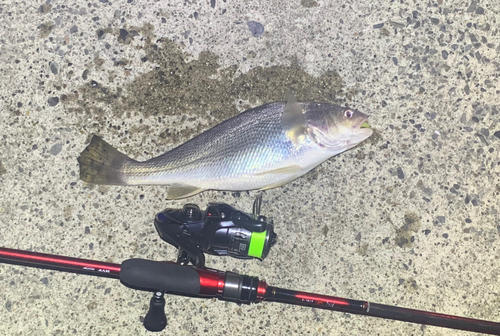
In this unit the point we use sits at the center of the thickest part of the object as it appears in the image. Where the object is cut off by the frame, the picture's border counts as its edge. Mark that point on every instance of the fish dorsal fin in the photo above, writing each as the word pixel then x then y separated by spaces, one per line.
pixel 178 190
pixel 293 120
pixel 283 170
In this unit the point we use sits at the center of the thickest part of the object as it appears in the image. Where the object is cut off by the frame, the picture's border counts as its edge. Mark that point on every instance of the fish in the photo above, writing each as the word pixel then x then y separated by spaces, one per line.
pixel 261 148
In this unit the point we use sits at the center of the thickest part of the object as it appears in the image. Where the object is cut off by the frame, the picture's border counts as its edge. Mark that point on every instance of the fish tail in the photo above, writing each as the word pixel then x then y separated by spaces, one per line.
pixel 101 163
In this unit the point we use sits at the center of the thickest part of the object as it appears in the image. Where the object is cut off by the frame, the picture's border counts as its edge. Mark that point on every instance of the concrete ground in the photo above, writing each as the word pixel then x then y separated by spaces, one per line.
pixel 408 218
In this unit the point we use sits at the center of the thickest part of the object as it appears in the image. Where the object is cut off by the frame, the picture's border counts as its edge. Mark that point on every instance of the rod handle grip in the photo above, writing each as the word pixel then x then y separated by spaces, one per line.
pixel 153 276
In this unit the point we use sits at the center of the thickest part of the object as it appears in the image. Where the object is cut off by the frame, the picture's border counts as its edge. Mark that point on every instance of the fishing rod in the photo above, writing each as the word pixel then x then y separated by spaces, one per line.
pixel 222 230
pixel 186 280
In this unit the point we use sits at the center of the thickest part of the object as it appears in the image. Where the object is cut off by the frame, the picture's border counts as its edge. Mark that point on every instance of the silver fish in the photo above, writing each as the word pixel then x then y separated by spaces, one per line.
pixel 261 148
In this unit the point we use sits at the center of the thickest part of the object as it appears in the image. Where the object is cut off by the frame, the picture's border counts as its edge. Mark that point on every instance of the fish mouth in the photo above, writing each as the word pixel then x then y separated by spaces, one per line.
pixel 342 137
pixel 365 124
pixel 361 135
pixel 363 132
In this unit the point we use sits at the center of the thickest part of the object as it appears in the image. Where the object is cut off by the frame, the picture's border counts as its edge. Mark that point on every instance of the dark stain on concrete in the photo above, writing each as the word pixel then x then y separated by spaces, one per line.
pixel 404 235
pixel 308 3
pixel 2 169
pixel 197 87
pixel 409 284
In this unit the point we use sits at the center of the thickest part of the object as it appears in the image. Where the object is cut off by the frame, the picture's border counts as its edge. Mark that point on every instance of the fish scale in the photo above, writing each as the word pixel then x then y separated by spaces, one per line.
pixel 261 148
pixel 251 143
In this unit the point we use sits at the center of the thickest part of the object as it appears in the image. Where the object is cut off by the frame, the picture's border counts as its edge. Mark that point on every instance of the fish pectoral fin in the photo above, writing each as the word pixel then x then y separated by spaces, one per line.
pixel 272 186
pixel 293 120
pixel 276 185
pixel 178 190
pixel 283 170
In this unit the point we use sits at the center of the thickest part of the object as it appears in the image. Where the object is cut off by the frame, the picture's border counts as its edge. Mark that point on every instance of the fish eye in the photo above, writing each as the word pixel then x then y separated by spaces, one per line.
pixel 348 113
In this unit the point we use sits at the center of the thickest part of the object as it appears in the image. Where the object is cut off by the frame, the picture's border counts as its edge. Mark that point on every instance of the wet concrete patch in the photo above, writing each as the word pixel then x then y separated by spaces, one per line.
pixel 308 3
pixel 181 86
pixel 404 235
pixel 2 169
pixel 409 284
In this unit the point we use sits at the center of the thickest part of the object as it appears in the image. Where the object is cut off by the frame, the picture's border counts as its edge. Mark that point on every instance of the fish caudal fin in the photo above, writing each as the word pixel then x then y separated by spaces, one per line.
pixel 101 163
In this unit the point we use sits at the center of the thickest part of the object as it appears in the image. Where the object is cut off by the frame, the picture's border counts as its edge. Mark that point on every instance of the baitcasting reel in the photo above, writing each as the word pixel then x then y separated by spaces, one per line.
pixel 219 230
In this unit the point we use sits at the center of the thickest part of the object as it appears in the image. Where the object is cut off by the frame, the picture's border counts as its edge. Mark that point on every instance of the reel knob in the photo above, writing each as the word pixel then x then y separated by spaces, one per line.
pixel 192 212
pixel 155 319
